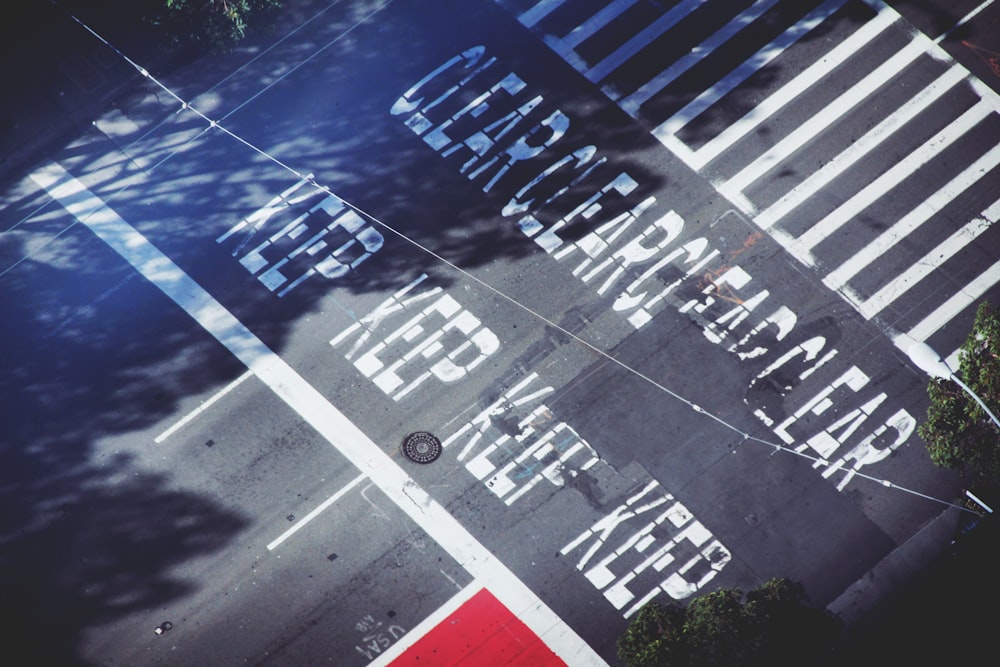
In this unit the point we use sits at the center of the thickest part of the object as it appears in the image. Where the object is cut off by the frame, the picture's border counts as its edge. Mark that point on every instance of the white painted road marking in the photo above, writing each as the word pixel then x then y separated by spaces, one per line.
pixel 632 102
pixel 950 308
pixel 826 117
pixel 928 263
pixel 858 149
pixel 316 512
pixel 801 248
pixel 429 623
pixel 189 417
pixel 920 46
pixel 317 411
pixel 617 58
pixel 746 69
pixel 605 254
pixel 793 89
pixel 912 220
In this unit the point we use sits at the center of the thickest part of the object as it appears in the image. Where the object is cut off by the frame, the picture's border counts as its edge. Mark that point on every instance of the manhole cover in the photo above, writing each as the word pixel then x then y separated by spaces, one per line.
pixel 421 447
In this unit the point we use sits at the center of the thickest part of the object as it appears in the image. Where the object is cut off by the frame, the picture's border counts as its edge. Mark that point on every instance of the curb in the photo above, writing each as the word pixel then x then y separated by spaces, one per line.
pixel 866 599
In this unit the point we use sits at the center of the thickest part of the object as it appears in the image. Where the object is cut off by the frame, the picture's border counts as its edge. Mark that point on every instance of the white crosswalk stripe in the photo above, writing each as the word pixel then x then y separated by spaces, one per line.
pixel 918 216
pixel 794 88
pixel 923 267
pixel 540 11
pixel 829 115
pixel 860 148
pixel 802 247
pixel 632 102
pixel 961 109
pixel 642 39
pixel 747 68
pixel 958 302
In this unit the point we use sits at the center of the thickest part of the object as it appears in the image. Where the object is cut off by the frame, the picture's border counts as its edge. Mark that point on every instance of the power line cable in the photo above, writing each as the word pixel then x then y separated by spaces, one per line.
pixel 308 178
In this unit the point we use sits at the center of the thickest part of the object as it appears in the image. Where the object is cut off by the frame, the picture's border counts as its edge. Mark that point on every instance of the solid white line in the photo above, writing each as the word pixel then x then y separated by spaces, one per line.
pixel 860 148
pixel 632 102
pixel 564 45
pixel 912 220
pixel 965 19
pixel 316 512
pixel 876 189
pixel 417 633
pixel 958 302
pixel 317 411
pixel 201 408
pixel 828 115
pixel 930 261
pixel 791 90
pixel 542 9
pixel 603 17
pixel 615 59
pixel 747 68
pixel 678 148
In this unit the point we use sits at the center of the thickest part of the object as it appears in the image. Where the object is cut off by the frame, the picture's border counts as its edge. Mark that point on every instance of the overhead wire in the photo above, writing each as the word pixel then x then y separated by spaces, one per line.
pixel 310 179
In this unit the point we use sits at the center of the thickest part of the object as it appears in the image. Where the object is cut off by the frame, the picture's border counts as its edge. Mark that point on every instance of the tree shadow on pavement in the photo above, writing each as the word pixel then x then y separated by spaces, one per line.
pixel 92 354
pixel 88 535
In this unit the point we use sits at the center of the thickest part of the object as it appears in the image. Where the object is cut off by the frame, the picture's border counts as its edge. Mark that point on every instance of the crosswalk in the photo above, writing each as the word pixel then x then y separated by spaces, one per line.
pixel 848 136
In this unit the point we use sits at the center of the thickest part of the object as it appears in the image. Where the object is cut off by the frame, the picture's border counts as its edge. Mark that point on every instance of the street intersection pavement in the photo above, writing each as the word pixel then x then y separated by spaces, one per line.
pixel 647 271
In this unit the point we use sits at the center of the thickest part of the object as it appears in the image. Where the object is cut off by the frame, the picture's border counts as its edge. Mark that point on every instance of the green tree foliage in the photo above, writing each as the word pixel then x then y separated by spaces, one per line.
pixel 771 625
pixel 958 432
pixel 217 24
pixel 655 637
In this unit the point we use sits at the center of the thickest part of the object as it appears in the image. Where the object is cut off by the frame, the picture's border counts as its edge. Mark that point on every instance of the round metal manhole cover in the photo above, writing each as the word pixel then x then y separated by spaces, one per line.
pixel 421 447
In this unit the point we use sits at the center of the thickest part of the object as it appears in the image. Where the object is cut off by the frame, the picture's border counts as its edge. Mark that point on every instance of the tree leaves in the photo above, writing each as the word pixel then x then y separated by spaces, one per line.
pixel 218 24
pixel 771 625
pixel 958 433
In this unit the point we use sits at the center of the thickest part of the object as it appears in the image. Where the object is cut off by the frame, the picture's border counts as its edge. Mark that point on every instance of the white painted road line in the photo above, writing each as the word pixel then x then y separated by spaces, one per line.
pixel 617 58
pixel 632 103
pixel 316 512
pixel 860 148
pixel 317 411
pixel 201 408
pixel 923 267
pixel 944 313
pixel 747 68
pixel 802 247
pixel 437 616
pixel 828 115
pixel 587 29
pixel 912 220
pixel 539 12
pixel 791 90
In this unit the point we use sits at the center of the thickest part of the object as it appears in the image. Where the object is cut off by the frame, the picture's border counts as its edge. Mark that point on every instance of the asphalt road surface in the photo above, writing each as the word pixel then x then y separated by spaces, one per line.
pixel 647 270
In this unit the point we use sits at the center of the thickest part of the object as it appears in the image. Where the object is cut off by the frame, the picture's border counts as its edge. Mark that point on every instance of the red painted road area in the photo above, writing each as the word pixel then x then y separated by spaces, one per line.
pixel 480 633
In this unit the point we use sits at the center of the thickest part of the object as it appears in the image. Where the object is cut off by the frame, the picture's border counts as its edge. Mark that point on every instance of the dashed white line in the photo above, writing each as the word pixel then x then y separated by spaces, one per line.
pixel 316 512
pixel 201 408
pixel 318 412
